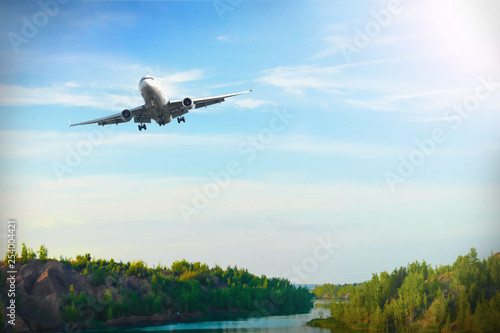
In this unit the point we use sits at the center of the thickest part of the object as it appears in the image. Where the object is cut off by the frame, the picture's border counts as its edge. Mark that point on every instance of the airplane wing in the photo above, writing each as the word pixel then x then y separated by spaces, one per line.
pixel 114 118
pixel 176 107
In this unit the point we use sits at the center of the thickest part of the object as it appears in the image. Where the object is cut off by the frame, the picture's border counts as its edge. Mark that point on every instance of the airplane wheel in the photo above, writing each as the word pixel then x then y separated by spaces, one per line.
pixel 183 119
pixel 144 127
pixel 140 128
pixel 178 120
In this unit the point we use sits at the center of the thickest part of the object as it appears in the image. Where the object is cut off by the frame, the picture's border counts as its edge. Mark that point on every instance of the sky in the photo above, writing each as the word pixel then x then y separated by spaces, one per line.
pixel 370 139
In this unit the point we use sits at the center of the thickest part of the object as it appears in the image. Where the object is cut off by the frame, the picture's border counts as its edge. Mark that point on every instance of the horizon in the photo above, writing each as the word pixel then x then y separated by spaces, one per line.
pixel 164 266
pixel 370 139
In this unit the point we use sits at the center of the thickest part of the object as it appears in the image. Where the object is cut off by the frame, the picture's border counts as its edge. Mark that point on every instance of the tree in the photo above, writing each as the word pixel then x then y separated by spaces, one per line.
pixel 107 297
pixel 110 313
pixel 70 313
pixel 31 254
pixel 411 295
pixel 99 277
pixel 179 267
pixel 24 254
pixel 43 253
pixel 487 315
pixel 493 264
pixel 82 261
pixel 136 268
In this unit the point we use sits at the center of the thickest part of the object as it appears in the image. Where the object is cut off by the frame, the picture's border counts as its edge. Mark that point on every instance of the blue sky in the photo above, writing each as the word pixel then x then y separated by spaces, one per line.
pixel 372 128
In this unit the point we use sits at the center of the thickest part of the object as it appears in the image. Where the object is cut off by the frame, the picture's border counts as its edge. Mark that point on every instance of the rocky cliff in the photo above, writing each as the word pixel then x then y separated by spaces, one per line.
pixel 40 287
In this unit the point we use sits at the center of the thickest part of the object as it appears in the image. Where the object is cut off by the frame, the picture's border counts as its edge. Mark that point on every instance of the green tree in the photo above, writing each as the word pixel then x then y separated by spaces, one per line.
pixel 411 295
pixel 179 267
pixel 377 319
pixel 31 254
pixel 70 313
pixel 438 311
pixel 107 297
pixel 137 268
pixel 487 315
pixel 493 265
pixel 158 304
pixel 110 313
pixel 43 253
pixel 99 277
pixel 24 254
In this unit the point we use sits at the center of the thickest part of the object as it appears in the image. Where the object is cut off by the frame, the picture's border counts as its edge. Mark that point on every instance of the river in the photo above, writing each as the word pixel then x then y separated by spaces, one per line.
pixel 272 324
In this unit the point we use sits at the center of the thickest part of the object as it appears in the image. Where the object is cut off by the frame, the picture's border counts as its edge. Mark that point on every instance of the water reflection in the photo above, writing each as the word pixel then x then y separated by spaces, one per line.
pixel 274 324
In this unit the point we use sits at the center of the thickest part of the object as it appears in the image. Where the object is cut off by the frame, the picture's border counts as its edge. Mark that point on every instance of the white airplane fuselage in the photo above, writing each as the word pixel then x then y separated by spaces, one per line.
pixel 157 107
pixel 154 98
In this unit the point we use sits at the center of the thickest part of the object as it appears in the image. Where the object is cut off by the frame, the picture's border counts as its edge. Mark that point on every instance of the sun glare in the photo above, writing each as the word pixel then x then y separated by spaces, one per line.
pixel 467 32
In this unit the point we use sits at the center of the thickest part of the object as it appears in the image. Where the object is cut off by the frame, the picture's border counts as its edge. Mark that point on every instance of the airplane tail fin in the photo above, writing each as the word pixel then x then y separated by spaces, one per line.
pixel 69 123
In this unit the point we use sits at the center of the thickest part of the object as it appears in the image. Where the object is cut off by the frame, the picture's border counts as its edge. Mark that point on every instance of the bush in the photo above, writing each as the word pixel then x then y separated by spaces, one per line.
pixel 70 314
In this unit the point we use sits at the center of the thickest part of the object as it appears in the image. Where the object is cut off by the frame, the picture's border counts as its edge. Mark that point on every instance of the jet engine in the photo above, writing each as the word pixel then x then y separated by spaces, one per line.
pixel 126 115
pixel 187 103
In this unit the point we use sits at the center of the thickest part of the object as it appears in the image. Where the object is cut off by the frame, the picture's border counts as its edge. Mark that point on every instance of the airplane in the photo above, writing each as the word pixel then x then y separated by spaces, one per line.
pixel 157 107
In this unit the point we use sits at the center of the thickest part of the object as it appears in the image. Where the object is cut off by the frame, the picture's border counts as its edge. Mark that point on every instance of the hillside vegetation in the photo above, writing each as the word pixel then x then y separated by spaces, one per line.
pixel 87 292
pixel 462 296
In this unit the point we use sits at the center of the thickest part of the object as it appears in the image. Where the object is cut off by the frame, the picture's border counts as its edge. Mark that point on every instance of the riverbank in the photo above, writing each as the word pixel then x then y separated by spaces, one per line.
pixel 463 296
pixel 333 323
pixel 85 293
pixel 293 323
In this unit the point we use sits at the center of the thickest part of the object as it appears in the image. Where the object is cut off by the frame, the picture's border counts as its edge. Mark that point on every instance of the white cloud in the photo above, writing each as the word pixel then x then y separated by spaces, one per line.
pixel 21 144
pixel 375 89
pixel 186 76
pixel 329 79
pixel 228 38
pixel 334 43
pixel 333 47
pixel 229 84
pixel 297 79
pixel 313 145
pixel 430 104
pixel 71 84
pixel 53 145
pixel 249 103
pixel 16 95
pixel 237 203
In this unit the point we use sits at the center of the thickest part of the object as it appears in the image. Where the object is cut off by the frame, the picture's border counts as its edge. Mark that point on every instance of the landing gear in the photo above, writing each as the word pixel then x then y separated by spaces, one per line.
pixel 181 119
pixel 142 127
pixel 161 122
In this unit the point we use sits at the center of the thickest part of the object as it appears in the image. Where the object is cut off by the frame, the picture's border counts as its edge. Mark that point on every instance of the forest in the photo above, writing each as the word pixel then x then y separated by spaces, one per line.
pixel 463 296
pixel 183 287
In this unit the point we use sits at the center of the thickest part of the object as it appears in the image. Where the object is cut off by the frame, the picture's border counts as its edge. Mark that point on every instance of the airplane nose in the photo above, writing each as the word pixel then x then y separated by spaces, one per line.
pixel 142 83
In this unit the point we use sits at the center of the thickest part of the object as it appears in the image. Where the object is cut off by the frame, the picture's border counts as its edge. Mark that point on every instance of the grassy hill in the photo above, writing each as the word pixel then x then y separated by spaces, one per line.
pixel 462 296
pixel 82 293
